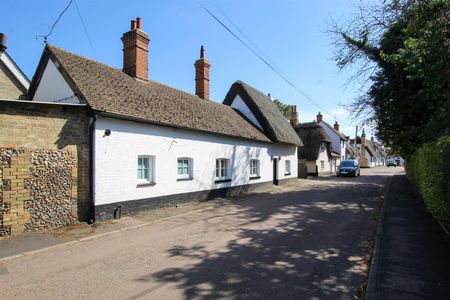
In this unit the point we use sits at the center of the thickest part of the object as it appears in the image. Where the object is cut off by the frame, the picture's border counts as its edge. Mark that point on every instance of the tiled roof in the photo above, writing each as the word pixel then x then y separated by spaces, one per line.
pixel 110 91
pixel 266 112
pixel 312 136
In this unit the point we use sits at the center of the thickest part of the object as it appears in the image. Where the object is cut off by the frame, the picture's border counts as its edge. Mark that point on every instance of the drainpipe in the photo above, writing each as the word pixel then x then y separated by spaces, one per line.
pixel 92 166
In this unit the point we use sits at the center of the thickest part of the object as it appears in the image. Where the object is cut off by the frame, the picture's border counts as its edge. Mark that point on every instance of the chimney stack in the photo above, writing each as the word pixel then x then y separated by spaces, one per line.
pixel 135 51
pixel 319 118
pixel 3 39
pixel 336 126
pixel 202 75
pixel 293 118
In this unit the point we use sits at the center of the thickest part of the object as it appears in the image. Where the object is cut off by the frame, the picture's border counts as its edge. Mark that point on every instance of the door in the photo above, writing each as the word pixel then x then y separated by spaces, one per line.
pixel 275 171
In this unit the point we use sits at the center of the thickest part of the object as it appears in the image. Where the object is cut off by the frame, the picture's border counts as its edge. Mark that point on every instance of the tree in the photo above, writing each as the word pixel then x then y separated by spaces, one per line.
pixel 284 108
pixel 402 47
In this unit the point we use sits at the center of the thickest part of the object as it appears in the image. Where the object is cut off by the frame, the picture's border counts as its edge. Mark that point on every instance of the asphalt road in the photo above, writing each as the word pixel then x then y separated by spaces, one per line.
pixel 305 241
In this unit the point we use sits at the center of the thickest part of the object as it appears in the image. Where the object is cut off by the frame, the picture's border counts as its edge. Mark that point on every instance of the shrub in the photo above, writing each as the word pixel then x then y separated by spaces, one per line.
pixel 429 170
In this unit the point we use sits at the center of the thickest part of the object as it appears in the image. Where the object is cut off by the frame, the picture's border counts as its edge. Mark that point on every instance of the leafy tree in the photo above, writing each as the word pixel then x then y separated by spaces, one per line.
pixel 402 47
pixel 284 108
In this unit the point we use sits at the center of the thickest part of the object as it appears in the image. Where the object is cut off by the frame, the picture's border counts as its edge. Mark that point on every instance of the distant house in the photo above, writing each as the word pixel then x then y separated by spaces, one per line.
pixel 316 151
pixel 338 139
pixel 14 83
pixel 153 145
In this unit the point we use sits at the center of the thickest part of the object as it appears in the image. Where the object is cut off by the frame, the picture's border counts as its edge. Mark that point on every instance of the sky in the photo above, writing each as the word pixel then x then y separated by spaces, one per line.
pixel 292 33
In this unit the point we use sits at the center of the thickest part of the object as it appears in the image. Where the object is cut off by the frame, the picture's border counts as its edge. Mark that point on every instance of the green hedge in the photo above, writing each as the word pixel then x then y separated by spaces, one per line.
pixel 429 170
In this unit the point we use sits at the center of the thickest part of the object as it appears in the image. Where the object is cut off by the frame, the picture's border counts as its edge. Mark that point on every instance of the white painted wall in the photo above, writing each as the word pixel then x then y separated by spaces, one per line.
pixel 240 105
pixel 323 156
pixel 335 139
pixel 116 160
pixel 53 87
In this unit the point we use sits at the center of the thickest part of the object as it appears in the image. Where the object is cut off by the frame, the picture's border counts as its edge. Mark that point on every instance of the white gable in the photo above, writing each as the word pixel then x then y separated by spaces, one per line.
pixel 240 105
pixel 53 87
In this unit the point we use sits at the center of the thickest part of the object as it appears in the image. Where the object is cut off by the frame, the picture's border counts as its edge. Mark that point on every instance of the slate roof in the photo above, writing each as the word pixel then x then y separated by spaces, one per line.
pixel 110 92
pixel 312 135
pixel 341 135
pixel 266 112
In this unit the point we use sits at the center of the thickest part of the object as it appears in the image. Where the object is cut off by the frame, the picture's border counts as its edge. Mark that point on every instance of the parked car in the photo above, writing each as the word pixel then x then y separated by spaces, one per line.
pixel 391 162
pixel 348 168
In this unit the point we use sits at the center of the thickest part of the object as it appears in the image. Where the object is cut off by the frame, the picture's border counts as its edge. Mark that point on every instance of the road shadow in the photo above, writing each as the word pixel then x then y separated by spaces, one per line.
pixel 305 243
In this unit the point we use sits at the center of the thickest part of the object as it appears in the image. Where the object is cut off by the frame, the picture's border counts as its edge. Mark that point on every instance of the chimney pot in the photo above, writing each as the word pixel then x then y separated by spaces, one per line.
pixel 336 126
pixel 135 51
pixel 293 118
pixel 139 23
pixel 319 117
pixel 202 75
pixel 3 40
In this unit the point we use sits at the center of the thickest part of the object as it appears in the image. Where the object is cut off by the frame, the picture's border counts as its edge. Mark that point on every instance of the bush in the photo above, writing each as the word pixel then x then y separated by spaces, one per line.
pixel 429 170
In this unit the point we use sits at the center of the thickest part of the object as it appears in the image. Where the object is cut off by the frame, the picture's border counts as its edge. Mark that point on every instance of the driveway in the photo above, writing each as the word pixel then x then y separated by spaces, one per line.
pixel 308 240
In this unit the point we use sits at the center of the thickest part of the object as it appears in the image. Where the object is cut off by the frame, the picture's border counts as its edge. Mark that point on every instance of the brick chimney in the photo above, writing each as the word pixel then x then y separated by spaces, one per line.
pixel 202 76
pixel 293 118
pixel 135 51
pixel 336 126
pixel 319 117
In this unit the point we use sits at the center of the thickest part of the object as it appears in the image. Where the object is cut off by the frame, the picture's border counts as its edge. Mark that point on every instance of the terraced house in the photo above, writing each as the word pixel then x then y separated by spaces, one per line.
pixel 153 145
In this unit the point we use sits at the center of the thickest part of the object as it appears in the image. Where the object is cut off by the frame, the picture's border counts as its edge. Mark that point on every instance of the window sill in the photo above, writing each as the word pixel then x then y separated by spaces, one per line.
pixel 287 174
pixel 222 180
pixel 145 184
pixel 185 179
pixel 255 177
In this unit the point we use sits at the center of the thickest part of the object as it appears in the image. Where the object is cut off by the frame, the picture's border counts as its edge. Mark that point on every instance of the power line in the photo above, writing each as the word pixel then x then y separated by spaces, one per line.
pixel 85 29
pixel 264 60
pixel 54 24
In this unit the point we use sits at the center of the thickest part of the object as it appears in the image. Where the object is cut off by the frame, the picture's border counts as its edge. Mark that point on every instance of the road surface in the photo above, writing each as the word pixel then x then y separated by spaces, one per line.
pixel 310 240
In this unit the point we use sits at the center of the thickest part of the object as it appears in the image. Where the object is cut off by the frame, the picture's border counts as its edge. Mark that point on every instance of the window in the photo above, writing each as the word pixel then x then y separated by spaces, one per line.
pixel 222 169
pixel 145 169
pixel 254 168
pixel 322 164
pixel 184 168
pixel 287 167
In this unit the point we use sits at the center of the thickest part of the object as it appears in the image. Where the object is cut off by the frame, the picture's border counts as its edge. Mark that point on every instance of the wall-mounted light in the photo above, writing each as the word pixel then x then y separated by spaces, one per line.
pixel 107 132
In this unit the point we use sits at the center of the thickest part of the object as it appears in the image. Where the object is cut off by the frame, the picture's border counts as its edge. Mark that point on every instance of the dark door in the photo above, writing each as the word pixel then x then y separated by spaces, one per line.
pixel 275 171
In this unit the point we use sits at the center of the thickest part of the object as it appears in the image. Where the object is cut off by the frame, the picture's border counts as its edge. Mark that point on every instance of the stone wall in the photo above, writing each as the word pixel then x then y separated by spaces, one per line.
pixel 41 126
pixel 38 189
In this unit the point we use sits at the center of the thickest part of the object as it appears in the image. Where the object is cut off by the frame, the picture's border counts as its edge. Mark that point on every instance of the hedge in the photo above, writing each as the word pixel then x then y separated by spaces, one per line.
pixel 429 170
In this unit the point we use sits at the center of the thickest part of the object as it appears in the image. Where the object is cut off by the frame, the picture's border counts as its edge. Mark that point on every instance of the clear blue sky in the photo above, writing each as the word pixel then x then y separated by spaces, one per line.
pixel 291 33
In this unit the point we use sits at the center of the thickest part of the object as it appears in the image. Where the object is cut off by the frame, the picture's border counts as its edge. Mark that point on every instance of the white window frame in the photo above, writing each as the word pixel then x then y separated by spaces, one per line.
pixel 287 167
pixel 322 164
pixel 254 168
pixel 190 173
pixel 150 167
pixel 222 170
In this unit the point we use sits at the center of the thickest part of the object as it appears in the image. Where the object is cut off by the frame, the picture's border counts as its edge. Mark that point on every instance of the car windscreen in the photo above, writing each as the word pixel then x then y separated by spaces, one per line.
pixel 348 164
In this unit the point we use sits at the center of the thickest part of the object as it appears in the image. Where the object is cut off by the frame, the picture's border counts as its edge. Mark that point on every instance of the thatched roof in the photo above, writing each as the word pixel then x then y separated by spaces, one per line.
pixel 268 115
pixel 312 136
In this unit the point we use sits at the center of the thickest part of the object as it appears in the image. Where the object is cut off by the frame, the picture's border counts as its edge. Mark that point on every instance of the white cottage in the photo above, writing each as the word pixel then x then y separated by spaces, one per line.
pixel 153 145
pixel 338 140
pixel 316 151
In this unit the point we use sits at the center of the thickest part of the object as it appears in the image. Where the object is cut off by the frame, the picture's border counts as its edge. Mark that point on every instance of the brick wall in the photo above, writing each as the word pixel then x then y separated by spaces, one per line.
pixel 10 88
pixel 31 126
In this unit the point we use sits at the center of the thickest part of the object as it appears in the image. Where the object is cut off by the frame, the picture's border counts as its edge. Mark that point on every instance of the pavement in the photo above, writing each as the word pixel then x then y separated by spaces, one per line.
pixel 412 257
